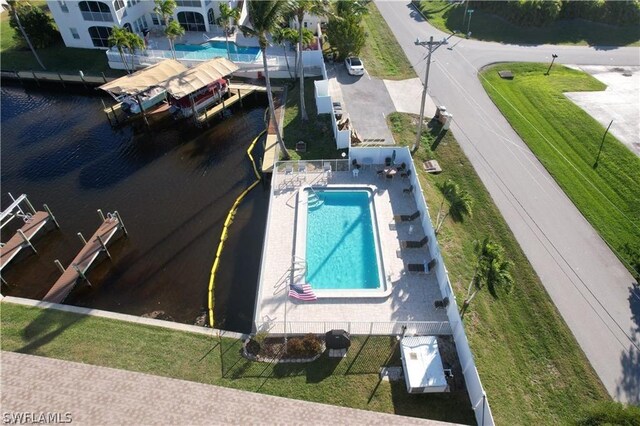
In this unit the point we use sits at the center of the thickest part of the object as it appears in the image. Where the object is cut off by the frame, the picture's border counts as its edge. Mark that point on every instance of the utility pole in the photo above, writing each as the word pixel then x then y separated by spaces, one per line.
pixel 601 144
pixel 469 23
pixel 464 15
pixel 431 48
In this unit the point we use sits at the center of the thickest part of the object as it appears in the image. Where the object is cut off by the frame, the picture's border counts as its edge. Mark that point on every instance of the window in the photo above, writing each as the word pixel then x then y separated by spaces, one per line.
pixel 189 3
pixel 118 4
pixel 136 26
pixel 100 36
pixel 143 22
pixel 74 33
pixel 127 27
pixel 306 24
pixel 211 17
pixel 95 11
pixel 192 21
pixel 63 6
pixel 155 19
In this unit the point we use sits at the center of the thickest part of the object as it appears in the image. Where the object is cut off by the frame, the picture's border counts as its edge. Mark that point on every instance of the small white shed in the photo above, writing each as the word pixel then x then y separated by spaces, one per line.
pixel 423 370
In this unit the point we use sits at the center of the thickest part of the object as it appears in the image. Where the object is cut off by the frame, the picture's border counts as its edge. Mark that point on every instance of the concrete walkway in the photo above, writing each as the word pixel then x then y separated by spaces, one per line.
pixel 98 395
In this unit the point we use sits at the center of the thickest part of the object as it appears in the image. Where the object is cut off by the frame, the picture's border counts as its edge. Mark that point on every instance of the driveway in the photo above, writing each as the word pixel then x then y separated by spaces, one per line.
pixel 367 102
pixel 592 290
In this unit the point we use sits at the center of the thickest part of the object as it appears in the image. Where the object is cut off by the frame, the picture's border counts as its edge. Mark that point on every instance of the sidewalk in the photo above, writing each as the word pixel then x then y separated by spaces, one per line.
pixel 98 395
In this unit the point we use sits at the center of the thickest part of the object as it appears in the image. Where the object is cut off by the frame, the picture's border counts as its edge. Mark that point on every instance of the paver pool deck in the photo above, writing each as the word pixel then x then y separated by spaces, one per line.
pixel 33 385
pixel 412 295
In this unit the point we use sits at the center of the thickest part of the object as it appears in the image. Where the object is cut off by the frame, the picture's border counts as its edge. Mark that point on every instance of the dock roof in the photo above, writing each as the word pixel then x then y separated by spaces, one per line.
pixel 142 80
pixel 200 76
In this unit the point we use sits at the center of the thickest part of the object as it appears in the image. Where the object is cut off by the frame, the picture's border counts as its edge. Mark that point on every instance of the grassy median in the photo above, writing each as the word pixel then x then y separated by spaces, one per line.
pixel 448 16
pixel 566 140
pixel 530 364
pixel 383 57
pixel 351 382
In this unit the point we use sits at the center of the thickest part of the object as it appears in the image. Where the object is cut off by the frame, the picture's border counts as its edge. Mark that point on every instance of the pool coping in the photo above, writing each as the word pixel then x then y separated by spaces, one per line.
pixel 300 241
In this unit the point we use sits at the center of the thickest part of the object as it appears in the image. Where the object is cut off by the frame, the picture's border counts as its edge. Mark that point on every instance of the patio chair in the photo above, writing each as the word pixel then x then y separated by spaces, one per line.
pixel 405 174
pixel 408 191
pixel 418 268
pixel 407 217
pixel 414 244
pixel 402 167
pixel 380 173
pixel 288 174
pixel 354 164
pixel 442 304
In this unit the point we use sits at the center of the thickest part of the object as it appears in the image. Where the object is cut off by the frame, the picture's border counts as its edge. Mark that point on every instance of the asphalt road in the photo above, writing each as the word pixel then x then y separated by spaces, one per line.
pixel 592 290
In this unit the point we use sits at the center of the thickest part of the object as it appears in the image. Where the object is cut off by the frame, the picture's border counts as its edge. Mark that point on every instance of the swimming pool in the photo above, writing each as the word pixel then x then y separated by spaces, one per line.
pixel 337 236
pixel 216 49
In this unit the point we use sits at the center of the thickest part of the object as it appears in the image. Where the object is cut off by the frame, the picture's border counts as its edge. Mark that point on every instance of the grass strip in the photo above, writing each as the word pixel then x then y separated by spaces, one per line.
pixel 447 16
pixel 566 140
pixel 530 364
pixel 351 382
pixel 383 57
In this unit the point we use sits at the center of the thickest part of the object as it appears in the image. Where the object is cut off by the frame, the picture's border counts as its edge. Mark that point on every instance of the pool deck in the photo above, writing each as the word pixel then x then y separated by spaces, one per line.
pixel 412 295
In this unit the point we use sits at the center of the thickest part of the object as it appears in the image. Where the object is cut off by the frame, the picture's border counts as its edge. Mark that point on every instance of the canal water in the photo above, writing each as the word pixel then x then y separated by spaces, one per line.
pixel 172 187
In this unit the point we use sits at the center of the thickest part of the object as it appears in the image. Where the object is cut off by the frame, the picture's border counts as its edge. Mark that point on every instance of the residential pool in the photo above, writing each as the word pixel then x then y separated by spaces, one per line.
pixel 339 242
pixel 215 49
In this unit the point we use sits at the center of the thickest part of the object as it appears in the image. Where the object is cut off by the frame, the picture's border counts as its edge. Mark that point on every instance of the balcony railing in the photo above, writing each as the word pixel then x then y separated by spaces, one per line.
pixel 97 16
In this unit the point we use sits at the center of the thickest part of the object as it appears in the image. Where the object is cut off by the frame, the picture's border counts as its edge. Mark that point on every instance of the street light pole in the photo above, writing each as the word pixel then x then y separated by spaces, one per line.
pixel 432 49
pixel 553 58
pixel 601 144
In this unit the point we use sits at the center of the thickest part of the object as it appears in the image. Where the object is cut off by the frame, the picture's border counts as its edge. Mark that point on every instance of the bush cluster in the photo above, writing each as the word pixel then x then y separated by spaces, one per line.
pixel 305 347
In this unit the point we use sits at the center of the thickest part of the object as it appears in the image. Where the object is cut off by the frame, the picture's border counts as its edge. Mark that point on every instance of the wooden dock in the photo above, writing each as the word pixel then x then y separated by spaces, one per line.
pixel 213 112
pixel 21 238
pixel 82 262
pixel 55 77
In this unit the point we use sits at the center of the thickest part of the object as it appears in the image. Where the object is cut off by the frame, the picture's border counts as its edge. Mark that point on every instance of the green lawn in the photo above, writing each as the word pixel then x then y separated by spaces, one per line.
pixel 448 16
pixel 566 141
pixel 316 132
pixel 351 381
pixel 383 57
pixel 56 58
pixel 532 368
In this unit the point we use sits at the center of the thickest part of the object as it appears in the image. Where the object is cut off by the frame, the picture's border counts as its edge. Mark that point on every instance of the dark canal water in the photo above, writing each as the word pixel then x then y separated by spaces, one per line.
pixel 173 189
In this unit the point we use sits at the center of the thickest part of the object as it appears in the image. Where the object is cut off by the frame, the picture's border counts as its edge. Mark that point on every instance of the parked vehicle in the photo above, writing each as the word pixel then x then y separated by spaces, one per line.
pixel 354 65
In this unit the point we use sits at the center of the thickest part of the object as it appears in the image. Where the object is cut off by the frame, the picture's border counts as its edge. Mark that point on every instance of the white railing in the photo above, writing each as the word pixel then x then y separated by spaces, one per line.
pixel 363 328
pixel 311 166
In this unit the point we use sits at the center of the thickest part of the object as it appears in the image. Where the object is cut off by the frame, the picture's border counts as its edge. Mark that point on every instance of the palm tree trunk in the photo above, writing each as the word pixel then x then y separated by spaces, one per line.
pixel 124 61
pixel 26 37
pixel 226 37
pixel 272 108
pixel 441 222
pixel 286 58
pixel 173 52
pixel 303 108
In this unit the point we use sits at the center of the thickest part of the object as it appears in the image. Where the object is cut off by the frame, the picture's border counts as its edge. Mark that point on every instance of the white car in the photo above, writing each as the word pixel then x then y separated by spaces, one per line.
pixel 354 65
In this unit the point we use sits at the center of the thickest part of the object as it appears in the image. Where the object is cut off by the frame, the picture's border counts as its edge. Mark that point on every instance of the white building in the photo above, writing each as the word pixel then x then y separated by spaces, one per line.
pixel 310 22
pixel 87 24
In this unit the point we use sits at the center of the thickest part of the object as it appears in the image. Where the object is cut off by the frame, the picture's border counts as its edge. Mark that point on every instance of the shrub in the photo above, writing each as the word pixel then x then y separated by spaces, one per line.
pixel 346 36
pixel 295 347
pixel 38 25
pixel 312 344
pixel 305 347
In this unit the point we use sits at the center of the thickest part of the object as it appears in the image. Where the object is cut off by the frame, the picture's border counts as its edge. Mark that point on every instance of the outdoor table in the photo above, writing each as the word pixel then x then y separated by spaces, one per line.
pixel 367 162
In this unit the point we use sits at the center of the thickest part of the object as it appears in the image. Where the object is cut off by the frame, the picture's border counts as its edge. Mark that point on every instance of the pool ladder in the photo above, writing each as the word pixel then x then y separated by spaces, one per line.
pixel 313 200
pixel 299 267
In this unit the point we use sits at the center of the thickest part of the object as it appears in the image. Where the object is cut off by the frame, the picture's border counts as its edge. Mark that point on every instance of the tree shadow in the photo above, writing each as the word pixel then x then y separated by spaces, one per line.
pixel 628 387
pixel 46 327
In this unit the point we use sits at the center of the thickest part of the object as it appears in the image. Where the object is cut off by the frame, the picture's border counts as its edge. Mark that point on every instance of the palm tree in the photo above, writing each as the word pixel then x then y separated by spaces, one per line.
pixel 165 9
pixel 348 8
pixel 173 31
pixel 281 36
pixel 299 9
pixel 13 6
pixel 264 16
pixel 227 14
pixel 460 203
pixel 134 42
pixel 120 40
pixel 491 269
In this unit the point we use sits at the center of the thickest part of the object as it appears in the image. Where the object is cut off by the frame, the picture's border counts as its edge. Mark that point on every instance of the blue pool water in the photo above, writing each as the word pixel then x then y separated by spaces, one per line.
pixel 214 49
pixel 341 248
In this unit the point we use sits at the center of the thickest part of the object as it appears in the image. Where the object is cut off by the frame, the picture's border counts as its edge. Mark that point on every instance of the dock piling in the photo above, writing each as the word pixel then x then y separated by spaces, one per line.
pixel 101 215
pixel 82 238
pixel 59 265
pixel 126 234
pixel 104 247
pixel 26 240
pixel 62 81
pixel 82 275
pixel 35 78
pixel 28 203
pixel 17 206
pixel 103 77
pixel 240 98
pixel 53 218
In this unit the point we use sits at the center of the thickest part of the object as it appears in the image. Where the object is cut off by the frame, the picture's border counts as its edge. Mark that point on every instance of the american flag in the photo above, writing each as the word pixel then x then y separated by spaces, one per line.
pixel 302 292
